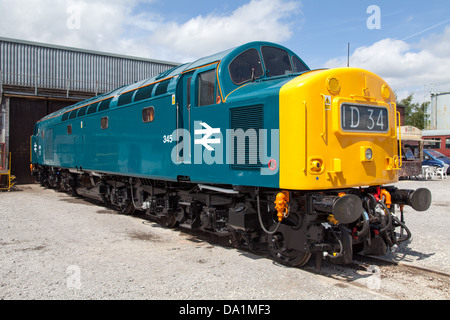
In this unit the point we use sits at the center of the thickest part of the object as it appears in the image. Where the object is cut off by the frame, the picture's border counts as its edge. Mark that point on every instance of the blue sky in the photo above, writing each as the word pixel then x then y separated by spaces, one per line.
pixel 322 29
pixel 330 25
pixel 410 49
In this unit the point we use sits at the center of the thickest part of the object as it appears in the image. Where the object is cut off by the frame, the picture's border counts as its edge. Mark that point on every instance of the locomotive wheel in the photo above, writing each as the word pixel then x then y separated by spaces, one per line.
pixel 127 208
pixel 347 254
pixel 286 256
pixel 169 220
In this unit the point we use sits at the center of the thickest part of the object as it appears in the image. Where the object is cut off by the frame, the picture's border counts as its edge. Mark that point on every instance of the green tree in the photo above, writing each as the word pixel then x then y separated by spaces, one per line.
pixel 415 114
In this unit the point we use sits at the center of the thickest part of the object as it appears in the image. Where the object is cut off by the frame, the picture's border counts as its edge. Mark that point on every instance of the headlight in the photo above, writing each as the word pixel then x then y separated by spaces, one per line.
pixel 366 154
pixel 369 154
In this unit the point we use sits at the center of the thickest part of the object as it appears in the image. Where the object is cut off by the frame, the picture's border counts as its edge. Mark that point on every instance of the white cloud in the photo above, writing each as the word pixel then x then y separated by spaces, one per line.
pixel 257 20
pixel 113 26
pixel 406 67
pixel 84 24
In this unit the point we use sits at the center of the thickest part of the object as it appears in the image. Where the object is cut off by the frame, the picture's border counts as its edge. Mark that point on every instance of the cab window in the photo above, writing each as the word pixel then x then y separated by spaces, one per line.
pixel 246 67
pixel 298 65
pixel 276 61
pixel 206 86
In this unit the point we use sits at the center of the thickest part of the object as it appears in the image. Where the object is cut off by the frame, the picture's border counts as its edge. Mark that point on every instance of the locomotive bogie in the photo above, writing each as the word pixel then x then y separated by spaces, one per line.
pixel 248 144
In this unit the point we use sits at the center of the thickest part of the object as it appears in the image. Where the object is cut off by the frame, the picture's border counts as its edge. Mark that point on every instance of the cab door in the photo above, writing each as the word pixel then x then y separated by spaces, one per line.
pixel 182 134
pixel 209 120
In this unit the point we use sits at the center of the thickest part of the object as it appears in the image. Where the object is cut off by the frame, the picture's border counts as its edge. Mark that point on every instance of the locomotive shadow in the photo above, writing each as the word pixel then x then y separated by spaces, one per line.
pixel 201 237
pixel 404 253
pixel 80 200
pixel 359 272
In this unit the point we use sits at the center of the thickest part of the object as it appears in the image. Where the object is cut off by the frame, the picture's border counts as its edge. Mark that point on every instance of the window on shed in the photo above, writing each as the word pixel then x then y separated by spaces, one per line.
pixel 298 65
pixel 206 86
pixel 148 114
pixel 104 122
pixel 276 61
pixel 92 108
pixel 162 87
pixel 104 105
pixel 144 93
pixel 447 143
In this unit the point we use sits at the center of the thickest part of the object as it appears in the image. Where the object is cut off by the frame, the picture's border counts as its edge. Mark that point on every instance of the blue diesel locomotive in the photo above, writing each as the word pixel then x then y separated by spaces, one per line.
pixel 247 143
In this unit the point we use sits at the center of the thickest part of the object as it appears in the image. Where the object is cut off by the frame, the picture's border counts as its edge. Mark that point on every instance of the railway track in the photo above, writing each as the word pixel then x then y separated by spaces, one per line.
pixel 391 279
pixel 402 264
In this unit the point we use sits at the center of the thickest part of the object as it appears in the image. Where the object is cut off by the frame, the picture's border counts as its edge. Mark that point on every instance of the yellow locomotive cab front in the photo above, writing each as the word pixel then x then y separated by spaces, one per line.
pixel 338 128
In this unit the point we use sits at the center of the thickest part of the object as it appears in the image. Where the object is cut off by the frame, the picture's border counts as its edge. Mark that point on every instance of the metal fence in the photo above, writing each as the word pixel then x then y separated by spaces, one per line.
pixel 29 64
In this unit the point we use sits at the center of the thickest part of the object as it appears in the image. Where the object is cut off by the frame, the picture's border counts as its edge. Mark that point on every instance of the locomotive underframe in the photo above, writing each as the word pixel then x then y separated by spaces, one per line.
pixel 248 215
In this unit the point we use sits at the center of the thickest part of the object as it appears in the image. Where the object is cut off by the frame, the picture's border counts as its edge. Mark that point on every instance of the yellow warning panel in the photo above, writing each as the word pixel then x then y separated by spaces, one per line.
pixel 327 102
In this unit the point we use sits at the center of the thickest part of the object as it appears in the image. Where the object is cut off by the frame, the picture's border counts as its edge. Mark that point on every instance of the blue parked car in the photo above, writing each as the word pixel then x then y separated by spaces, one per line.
pixel 435 158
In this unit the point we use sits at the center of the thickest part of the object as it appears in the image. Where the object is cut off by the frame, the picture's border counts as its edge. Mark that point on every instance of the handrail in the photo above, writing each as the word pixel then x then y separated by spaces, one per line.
pixel 305 169
pixel 2 157
pixel 1 84
pixel 8 183
pixel 400 161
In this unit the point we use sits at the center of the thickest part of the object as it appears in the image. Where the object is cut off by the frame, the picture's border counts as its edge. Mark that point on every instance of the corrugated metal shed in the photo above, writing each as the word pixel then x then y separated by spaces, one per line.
pixel 37 79
pixel 37 65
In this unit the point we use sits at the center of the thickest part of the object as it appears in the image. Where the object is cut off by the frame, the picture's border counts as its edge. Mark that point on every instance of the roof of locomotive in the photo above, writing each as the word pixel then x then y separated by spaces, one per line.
pixel 226 56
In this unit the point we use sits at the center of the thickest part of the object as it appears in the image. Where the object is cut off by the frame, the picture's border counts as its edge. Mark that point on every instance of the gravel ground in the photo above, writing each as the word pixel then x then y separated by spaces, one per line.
pixel 54 246
pixel 430 234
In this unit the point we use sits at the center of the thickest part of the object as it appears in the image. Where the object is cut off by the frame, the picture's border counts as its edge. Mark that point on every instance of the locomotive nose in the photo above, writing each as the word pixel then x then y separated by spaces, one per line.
pixel 343 123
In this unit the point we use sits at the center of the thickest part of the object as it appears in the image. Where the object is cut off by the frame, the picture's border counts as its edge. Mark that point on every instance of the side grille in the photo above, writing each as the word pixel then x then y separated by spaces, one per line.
pixel 245 123
pixel 48 145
